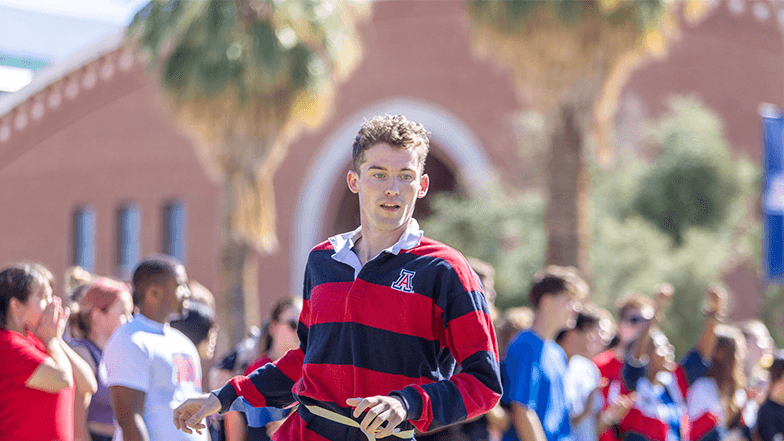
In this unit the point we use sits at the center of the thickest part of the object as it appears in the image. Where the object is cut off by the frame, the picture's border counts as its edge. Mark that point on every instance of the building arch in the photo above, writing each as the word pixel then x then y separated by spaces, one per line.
pixel 456 139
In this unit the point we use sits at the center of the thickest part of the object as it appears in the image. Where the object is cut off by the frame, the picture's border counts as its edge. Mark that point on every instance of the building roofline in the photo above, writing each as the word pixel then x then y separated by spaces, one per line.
pixel 58 71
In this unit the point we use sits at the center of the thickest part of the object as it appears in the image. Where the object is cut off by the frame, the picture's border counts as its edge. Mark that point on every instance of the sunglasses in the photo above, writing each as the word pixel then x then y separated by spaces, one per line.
pixel 635 319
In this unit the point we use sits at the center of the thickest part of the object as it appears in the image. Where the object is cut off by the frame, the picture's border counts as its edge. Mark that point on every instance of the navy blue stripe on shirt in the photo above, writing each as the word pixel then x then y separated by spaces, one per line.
pixel 333 343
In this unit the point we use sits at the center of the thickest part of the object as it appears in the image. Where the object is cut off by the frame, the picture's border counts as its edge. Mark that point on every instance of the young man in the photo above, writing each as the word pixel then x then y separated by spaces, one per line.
pixel 151 367
pixel 634 312
pixel 388 315
pixel 535 365
pixel 582 381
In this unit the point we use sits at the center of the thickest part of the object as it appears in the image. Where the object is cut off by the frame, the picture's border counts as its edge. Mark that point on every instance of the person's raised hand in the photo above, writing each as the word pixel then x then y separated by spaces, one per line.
pixel 595 393
pixel 48 326
pixel 62 321
pixel 616 412
pixel 379 409
pixel 716 299
pixel 189 415
pixel 664 294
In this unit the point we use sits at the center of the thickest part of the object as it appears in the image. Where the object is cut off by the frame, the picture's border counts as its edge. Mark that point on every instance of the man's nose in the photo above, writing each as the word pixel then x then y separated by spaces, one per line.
pixel 392 188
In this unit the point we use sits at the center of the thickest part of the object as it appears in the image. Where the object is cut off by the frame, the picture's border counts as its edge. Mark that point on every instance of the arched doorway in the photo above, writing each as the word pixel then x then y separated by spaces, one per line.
pixel 454 143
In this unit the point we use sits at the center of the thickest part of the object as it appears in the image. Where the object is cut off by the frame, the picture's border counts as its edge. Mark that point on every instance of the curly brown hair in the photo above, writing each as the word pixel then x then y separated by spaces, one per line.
pixel 395 130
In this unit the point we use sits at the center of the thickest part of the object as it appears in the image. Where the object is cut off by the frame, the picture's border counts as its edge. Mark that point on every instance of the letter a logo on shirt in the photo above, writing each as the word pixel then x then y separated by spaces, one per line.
pixel 405 281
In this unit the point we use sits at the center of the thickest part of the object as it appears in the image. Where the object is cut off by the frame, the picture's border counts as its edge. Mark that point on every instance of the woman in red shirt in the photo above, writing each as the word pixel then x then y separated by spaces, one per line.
pixel 39 373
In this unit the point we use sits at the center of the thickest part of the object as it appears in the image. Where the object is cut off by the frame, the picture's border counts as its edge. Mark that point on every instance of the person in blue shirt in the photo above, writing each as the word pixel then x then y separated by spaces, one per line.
pixel 534 367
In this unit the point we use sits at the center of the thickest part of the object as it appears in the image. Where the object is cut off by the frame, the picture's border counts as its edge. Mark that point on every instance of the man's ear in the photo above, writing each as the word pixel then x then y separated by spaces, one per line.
pixel 424 184
pixel 351 178
pixel 152 294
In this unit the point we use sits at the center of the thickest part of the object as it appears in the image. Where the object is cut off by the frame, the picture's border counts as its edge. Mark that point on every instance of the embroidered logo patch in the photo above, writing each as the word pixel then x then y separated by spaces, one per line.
pixel 405 281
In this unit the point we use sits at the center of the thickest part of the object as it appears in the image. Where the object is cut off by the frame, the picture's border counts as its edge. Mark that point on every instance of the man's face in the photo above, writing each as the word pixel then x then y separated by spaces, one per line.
pixel 563 308
pixel 631 324
pixel 388 183
pixel 592 341
pixel 177 290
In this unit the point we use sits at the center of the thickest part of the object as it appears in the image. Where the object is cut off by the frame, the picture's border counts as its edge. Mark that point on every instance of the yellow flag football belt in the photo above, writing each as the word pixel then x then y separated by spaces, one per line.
pixel 342 419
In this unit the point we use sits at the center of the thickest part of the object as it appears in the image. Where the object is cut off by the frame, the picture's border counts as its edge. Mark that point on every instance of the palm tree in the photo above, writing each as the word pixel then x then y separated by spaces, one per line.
pixel 242 78
pixel 570 60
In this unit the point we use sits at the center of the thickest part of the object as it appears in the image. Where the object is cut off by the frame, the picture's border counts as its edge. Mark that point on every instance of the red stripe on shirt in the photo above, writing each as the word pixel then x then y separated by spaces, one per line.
pixel 372 305
pixel 323 246
pixel 703 424
pixel 435 249
pixel 294 428
pixel 304 316
pixel 471 331
pixel 246 389
pixel 477 397
pixel 337 383
pixel 424 420
pixel 291 364
pixel 646 426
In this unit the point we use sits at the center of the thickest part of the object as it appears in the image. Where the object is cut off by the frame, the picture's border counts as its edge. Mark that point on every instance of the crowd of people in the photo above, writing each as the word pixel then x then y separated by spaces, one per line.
pixel 396 337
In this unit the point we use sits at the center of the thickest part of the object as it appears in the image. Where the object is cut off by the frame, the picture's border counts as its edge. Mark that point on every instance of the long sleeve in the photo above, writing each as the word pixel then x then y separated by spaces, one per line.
pixel 470 337
pixel 268 386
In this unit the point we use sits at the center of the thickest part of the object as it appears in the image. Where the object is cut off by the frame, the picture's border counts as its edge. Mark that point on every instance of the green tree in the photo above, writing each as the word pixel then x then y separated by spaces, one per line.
pixel 632 252
pixel 570 61
pixel 692 182
pixel 629 252
pixel 502 228
pixel 242 78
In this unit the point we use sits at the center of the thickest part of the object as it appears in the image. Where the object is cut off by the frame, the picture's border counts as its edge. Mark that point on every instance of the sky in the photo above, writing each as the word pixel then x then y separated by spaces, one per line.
pixel 34 33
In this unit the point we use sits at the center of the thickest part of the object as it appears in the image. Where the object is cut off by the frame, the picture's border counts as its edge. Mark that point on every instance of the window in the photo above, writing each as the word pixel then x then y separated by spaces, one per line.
pixel 174 230
pixel 84 238
pixel 128 246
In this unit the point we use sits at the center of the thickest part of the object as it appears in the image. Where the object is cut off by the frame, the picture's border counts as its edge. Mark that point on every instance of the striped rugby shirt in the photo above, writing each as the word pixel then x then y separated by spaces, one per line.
pixel 660 413
pixel 411 322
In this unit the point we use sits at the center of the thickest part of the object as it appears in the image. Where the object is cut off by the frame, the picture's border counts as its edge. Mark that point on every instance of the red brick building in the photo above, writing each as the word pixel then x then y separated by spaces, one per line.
pixel 93 171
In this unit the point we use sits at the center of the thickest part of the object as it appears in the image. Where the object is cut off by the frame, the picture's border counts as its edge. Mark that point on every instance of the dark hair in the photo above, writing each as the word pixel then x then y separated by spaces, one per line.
pixel 585 320
pixel 280 306
pixel 18 281
pixel 632 301
pixel 727 364
pixel 555 279
pixel 196 322
pixel 154 270
pixel 396 131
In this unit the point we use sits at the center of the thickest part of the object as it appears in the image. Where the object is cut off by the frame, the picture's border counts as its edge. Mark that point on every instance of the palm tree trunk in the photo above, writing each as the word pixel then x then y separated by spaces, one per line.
pixel 566 217
pixel 238 268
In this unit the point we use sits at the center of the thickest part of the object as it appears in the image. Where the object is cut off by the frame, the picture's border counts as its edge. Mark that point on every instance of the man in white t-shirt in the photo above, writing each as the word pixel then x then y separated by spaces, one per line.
pixel 582 378
pixel 152 367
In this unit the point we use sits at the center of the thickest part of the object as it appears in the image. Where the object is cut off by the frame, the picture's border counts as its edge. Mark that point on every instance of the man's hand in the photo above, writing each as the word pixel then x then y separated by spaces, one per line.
pixel 189 415
pixel 379 409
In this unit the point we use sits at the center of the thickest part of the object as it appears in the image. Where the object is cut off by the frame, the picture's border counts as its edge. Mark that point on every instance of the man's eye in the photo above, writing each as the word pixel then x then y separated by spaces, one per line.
pixel 407 177
pixel 378 175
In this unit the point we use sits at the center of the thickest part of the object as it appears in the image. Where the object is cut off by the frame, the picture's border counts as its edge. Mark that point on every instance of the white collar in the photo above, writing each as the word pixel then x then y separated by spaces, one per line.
pixel 148 322
pixel 343 244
